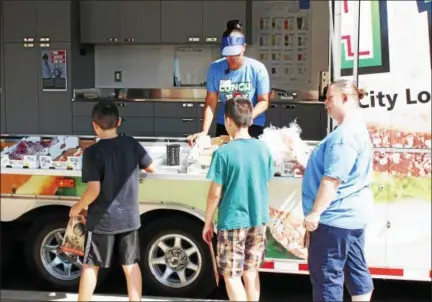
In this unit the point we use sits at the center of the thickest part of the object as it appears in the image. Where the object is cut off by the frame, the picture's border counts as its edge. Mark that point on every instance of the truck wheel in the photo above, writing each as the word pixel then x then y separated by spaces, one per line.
pixel 176 261
pixel 53 269
pixel 5 249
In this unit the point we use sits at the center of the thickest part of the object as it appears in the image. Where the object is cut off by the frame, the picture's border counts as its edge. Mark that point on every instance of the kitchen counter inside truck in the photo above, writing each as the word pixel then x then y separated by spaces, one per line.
pixel 179 112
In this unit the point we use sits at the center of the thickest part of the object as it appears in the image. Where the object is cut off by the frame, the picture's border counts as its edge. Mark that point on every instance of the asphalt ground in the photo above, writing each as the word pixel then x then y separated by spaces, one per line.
pixel 274 287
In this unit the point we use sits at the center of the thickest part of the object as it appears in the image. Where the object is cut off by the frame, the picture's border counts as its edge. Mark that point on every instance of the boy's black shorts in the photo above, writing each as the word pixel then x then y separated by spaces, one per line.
pixel 100 248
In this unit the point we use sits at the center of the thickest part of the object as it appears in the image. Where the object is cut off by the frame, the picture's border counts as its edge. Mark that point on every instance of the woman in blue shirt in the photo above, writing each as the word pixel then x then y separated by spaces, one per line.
pixel 235 75
pixel 337 201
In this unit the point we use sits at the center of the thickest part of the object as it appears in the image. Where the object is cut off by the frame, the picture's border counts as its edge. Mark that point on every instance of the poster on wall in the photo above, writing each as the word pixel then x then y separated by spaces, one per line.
pixel 283 38
pixel 54 76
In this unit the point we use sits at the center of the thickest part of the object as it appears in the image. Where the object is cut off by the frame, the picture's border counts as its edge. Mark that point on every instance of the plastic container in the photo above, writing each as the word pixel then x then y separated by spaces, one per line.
pixel 173 155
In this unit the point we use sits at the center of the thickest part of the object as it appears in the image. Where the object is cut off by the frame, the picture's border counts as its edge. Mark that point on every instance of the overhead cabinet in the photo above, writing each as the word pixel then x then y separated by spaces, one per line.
pixel 153 22
pixel 198 21
pixel 33 32
pixel 2 99
pixel 112 22
pixel 181 21
pixel 36 21
pixel 22 102
pixel 30 109
pixel 215 16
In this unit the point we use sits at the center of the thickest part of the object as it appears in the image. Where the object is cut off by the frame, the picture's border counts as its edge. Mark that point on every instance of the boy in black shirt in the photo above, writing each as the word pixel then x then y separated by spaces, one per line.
pixel 111 170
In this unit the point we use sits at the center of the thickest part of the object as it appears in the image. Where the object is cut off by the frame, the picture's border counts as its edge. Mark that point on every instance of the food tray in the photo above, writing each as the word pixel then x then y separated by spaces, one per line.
pixel 16 157
pixel 65 155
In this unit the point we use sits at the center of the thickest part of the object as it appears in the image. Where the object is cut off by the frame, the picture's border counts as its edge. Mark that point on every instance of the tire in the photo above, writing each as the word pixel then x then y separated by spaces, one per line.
pixel 200 281
pixel 5 249
pixel 38 258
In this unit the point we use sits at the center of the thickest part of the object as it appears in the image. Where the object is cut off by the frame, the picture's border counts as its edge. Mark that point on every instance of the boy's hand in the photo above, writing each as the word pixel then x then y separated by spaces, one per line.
pixel 208 232
pixel 75 210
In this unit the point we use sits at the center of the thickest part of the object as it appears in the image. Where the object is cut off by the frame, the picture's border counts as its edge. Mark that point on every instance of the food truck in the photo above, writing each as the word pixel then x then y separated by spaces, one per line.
pixel 389 55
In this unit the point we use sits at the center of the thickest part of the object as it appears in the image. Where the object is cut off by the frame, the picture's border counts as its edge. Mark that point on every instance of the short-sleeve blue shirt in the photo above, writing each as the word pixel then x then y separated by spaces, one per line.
pixel 244 180
pixel 251 80
pixel 345 154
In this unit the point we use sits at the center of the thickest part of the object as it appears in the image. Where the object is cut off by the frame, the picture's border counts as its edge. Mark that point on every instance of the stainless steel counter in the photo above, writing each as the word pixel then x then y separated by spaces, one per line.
pixel 189 95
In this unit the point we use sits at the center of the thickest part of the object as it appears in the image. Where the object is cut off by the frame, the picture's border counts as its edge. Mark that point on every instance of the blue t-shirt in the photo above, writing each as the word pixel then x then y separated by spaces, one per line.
pixel 244 181
pixel 251 80
pixel 345 154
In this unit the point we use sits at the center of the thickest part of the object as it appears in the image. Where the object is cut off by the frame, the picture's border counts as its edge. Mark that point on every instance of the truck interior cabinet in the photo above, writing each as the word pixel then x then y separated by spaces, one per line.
pixel 19 20
pixel 215 16
pixel 100 22
pixel 148 15
pixel 115 22
pixel 2 114
pixel 312 119
pixel 181 21
pixel 175 22
pixel 2 99
pixel 54 20
pixel 273 117
pixel 35 21
pixel 137 126
pixel 21 88
pixel 82 125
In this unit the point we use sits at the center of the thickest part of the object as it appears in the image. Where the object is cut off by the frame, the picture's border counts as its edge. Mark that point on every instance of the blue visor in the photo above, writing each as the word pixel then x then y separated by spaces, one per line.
pixel 232 46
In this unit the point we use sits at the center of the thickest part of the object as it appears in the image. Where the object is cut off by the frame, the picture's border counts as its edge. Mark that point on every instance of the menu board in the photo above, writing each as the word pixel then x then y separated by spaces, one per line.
pixel 283 40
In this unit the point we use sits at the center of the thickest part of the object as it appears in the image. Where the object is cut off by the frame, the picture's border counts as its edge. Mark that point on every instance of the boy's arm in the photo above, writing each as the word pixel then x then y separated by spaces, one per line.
pixel 151 168
pixel 89 196
pixel 271 167
pixel 144 159
pixel 215 174
pixel 90 175
pixel 213 198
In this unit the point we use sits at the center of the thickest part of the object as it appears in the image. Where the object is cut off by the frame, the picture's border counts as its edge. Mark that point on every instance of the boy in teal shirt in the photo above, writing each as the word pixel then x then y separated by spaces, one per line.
pixel 239 174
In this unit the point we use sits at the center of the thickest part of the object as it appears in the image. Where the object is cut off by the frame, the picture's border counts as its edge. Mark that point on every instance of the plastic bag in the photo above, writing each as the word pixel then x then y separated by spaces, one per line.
pixel 74 238
pixel 285 144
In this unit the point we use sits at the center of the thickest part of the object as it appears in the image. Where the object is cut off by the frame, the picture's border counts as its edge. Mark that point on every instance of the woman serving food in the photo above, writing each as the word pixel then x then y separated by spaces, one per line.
pixel 235 75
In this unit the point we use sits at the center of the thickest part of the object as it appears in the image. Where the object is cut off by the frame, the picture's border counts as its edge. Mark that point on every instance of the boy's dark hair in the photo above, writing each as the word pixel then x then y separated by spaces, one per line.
pixel 233 26
pixel 106 115
pixel 239 109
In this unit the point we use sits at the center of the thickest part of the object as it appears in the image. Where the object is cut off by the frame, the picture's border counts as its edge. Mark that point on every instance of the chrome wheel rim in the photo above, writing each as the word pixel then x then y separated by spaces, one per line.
pixel 175 260
pixel 57 264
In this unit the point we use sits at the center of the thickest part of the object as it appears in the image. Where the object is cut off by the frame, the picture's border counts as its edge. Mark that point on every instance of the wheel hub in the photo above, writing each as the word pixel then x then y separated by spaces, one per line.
pixel 176 259
pixel 58 264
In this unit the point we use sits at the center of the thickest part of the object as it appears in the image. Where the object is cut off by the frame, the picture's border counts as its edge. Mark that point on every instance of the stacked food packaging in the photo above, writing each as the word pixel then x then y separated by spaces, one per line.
pixel 59 153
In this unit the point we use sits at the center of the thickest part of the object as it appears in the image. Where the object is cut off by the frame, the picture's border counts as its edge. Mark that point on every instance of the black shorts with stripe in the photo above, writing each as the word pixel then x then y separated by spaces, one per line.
pixel 101 248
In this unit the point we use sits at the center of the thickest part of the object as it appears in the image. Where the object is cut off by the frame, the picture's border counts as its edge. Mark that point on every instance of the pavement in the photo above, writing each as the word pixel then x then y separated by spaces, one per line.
pixel 18 295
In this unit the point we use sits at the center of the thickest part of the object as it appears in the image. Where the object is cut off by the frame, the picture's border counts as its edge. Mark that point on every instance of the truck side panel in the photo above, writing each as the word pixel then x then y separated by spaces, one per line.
pixel 395 70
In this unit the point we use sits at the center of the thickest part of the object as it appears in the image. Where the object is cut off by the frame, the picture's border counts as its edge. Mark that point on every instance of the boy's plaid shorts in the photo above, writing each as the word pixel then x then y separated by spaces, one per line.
pixel 241 250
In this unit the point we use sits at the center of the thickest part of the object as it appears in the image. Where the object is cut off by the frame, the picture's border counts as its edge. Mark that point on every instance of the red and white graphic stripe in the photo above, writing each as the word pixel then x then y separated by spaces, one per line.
pixel 377 272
